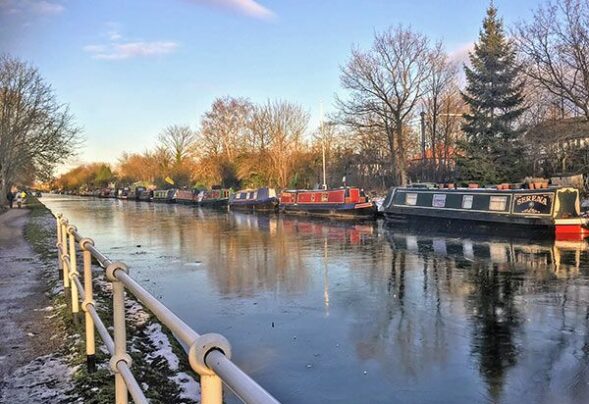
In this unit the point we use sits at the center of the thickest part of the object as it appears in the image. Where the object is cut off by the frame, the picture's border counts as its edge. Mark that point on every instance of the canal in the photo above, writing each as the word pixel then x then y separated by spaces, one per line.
pixel 320 311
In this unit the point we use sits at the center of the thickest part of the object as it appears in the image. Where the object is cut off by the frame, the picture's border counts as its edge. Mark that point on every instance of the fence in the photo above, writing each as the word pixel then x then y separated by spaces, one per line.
pixel 209 355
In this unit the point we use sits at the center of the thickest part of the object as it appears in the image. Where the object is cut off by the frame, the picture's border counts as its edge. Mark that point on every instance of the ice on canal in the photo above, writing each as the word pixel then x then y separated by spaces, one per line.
pixel 320 311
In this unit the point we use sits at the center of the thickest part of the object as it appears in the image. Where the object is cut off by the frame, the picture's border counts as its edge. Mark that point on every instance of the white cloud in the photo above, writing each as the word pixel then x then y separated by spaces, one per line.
pixel 117 47
pixel 251 8
pixel 46 7
pixel 460 53
pixel 128 50
pixel 113 31
pixel 41 7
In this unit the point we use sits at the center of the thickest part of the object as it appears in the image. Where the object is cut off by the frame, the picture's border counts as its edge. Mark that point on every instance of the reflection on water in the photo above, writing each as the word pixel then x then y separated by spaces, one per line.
pixel 321 311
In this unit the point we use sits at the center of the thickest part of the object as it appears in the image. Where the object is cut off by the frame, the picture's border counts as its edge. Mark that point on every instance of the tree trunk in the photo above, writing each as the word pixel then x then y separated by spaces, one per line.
pixel 392 151
pixel 401 167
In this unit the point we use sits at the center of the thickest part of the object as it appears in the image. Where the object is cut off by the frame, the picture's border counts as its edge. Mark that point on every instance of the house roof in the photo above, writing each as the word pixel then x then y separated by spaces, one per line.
pixel 559 130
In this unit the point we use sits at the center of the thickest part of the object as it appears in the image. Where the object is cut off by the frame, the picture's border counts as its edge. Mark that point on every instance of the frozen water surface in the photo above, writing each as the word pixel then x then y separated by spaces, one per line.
pixel 320 311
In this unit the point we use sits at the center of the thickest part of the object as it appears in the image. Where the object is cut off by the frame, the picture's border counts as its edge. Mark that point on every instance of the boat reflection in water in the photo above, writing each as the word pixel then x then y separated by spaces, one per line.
pixel 525 313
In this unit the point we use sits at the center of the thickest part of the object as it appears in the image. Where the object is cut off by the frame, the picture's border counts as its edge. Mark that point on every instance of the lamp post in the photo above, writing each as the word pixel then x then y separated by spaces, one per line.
pixel 322 143
pixel 423 157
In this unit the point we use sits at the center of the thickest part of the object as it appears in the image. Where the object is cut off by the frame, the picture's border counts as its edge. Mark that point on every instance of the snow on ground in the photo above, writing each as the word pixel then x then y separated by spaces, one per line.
pixel 162 346
pixel 46 379
pixel 135 313
pixel 190 388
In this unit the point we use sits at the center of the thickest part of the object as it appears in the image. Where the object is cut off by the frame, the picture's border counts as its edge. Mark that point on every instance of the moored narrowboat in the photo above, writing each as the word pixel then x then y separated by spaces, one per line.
pixel 215 198
pixel 186 196
pixel 554 211
pixel 164 195
pixel 106 193
pixel 145 195
pixel 259 200
pixel 348 202
pixel 122 193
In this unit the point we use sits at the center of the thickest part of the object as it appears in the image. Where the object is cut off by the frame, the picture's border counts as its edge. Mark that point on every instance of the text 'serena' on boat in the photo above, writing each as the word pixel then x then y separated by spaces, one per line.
pixel 348 202
pixel 554 211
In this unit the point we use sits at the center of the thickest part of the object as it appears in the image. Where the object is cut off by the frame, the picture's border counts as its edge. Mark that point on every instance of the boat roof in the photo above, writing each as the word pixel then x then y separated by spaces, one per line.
pixel 466 189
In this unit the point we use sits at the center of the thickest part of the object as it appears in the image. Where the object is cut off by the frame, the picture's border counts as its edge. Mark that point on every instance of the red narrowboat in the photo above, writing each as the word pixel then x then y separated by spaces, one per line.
pixel 350 202
pixel 185 196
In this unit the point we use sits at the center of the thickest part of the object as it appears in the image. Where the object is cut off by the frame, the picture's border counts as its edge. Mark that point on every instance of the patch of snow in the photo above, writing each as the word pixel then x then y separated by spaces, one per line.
pixel 135 313
pixel 162 346
pixel 190 388
pixel 48 308
pixel 47 379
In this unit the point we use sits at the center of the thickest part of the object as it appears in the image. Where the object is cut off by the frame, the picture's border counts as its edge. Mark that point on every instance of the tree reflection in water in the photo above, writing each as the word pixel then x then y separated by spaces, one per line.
pixel 495 322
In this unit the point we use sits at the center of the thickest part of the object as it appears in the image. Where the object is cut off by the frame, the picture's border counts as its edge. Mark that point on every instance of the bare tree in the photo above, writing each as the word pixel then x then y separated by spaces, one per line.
pixel 222 137
pixel 279 127
pixel 555 50
pixel 441 85
pixel 224 127
pixel 387 82
pixel 36 131
pixel 179 141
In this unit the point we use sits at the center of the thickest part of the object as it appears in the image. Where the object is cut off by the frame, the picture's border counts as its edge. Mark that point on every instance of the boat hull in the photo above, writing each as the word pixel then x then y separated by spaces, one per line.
pixel 466 227
pixel 352 211
pixel 270 205
pixel 185 201
pixel 214 203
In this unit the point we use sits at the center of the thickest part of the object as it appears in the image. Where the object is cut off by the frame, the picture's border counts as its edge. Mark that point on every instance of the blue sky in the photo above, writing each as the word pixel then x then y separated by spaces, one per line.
pixel 129 68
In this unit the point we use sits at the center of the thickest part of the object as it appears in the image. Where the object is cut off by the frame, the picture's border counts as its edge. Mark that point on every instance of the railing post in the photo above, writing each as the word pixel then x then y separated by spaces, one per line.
pixel 120 333
pixel 211 386
pixel 64 243
pixel 71 229
pixel 59 246
pixel 88 300
pixel 211 389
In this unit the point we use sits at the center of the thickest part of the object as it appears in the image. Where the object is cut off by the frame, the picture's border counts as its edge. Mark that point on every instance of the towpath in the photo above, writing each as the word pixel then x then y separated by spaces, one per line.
pixel 27 330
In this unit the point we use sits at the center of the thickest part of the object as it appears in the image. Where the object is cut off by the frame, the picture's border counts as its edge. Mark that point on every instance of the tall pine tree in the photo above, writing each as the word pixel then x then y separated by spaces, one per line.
pixel 492 151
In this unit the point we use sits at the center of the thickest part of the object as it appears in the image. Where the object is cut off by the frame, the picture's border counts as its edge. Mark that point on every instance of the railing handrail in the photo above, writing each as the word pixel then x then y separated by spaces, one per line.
pixel 208 354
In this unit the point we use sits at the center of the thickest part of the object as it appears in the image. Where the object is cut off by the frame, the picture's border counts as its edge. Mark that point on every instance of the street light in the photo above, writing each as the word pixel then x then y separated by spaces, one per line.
pixel 422 115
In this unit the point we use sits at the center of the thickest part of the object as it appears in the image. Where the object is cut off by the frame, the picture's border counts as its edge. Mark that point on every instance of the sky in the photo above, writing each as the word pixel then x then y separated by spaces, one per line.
pixel 130 68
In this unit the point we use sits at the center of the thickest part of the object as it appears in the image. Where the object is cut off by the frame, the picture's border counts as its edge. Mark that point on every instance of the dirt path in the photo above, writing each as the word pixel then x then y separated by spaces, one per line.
pixel 26 327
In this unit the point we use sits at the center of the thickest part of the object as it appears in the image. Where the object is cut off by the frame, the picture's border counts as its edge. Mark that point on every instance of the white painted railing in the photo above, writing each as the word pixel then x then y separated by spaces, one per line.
pixel 209 355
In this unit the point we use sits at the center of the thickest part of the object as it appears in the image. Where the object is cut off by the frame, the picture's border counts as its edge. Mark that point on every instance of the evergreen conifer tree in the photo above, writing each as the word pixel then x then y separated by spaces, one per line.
pixel 492 151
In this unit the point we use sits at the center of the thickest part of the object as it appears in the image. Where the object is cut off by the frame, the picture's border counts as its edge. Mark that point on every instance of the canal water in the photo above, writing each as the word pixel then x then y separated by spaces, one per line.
pixel 320 311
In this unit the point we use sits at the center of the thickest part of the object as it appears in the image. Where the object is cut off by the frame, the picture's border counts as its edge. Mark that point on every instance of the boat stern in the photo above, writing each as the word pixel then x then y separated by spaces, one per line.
pixel 576 228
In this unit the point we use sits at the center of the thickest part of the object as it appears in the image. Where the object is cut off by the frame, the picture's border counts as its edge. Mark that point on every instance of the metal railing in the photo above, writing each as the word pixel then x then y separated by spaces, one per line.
pixel 209 354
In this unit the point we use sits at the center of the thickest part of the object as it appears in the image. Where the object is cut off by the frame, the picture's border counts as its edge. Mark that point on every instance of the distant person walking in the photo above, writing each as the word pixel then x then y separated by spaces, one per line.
pixel 10 197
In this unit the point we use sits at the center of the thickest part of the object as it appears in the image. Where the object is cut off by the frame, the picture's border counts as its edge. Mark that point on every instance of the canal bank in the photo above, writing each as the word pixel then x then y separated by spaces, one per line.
pixel 41 352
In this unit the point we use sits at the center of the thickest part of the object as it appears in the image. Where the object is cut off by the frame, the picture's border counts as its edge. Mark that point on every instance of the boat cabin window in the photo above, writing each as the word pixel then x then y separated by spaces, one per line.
pixel 439 200
pixel 467 202
pixel 497 203
pixel 411 199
